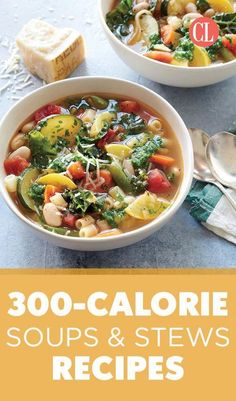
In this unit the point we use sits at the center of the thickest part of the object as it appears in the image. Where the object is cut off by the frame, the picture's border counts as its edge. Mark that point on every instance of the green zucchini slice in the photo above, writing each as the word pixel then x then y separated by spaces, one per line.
pixel 24 183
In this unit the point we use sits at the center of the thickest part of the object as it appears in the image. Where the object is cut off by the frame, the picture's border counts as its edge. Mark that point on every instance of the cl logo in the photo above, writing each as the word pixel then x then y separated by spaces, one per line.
pixel 204 32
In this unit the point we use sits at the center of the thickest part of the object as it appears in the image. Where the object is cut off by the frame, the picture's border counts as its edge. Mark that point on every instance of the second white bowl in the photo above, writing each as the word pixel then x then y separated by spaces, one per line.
pixel 184 77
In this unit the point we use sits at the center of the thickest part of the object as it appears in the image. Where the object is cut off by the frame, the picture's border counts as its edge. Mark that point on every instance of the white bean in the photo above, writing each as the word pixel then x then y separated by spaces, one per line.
pixel 209 13
pixel 191 16
pixel 11 183
pixel 28 127
pixel 58 200
pixel 191 8
pixel 175 170
pixel 23 152
pixel 18 141
pixel 174 22
pixel 141 6
pixel 52 215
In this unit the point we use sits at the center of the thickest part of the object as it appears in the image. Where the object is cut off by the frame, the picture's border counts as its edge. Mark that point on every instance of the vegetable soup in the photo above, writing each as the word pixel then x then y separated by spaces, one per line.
pixel 159 29
pixel 94 166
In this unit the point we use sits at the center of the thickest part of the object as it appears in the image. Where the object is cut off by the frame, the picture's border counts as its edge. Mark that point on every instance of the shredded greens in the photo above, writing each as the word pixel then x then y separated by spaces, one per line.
pixel 118 19
pixel 141 155
pixel 114 216
pixel 79 200
pixel 36 192
pixel 185 49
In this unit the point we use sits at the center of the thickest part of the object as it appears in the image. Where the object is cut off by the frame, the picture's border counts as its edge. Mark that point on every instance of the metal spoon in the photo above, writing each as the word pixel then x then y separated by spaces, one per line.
pixel 202 171
pixel 221 157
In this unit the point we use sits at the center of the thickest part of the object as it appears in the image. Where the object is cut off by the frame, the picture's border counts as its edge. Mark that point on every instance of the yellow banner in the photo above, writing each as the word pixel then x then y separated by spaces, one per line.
pixel 117 335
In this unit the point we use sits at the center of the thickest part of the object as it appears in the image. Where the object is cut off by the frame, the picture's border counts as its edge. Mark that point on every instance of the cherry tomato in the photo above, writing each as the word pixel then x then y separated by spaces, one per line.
pixel 106 175
pixel 157 182
pixel 16 165
pixel 46 111
pixel 50 191
pixel 77 171
pixel 69 220
pixel 129 106
pixel 110 135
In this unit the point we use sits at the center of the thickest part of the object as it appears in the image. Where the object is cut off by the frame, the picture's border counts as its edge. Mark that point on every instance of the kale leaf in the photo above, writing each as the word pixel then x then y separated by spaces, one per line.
pixel 226 22
pixel 114 216
pixel 118 19
pixel 140 156
pixel 214 49
pixel 41 149
pixel 132 123
pixel 79 200
pixel 36 192
pixel 154 40
pixel 139 182
pixel 185 49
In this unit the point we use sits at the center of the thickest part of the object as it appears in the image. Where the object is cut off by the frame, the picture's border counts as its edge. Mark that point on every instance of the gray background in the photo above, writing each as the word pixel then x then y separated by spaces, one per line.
pixel 183 242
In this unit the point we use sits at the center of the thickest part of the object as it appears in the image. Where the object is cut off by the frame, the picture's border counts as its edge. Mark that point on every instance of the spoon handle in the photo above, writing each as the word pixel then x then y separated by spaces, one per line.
pixel 226 193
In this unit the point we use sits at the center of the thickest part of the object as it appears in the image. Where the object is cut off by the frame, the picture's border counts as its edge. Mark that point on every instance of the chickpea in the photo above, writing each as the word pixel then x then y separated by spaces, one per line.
pixel 23 152
pixel 28 127
pixel 18 141
pixel 174 22
pixel 209 13
pixel 58 200
pixel 52 215
pixel 191 8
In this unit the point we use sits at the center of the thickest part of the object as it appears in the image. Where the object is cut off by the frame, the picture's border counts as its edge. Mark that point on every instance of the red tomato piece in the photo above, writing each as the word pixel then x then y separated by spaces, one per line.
pixel 106 175
pixel 46 111
pixel 157 182
pixel 96 185
pixel 16 165
pixel 129 106
pixel 50 191
pixel 77 171
pixel 69 220
pixel 110 135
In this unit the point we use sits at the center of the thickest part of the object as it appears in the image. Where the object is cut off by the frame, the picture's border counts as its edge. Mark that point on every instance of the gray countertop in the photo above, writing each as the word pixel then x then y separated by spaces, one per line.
pixel 183 242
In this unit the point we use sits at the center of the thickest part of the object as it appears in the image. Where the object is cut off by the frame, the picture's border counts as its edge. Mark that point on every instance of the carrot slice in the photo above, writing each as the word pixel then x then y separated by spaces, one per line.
pixel 50 191
pixel 163 57
pixel 168 35
pixel 165 161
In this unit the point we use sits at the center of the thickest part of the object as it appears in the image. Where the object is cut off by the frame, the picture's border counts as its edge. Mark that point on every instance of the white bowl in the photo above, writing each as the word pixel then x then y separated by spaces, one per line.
pixel 184 77
pixel 76 86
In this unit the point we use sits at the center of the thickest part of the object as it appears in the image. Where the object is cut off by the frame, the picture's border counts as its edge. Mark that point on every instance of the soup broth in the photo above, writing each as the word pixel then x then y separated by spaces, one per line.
pixel 94 166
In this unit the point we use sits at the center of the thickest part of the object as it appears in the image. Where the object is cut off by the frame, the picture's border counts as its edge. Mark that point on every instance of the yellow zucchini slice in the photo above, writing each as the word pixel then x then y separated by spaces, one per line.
pixel 221 6
pixel 60 126
pixel 200 58
pixel 58 180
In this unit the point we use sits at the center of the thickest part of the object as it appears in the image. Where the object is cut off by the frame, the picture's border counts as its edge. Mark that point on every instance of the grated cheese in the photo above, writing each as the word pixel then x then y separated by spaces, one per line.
pixel 13 75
